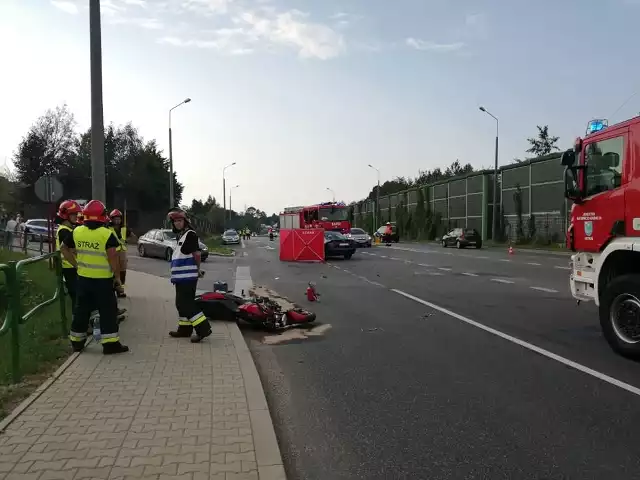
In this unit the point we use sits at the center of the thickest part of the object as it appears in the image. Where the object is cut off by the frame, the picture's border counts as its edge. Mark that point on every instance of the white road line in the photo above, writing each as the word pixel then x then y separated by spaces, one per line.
pixel 345 270
pixel 533 263
pixel 444 269
pixel 408 261
pixel 424 265
pixel 394 258
pixel 543 289
pixel 243 281
pixel 468 274
pixel 541 351
pixel 483 258
pixel 383 256
pixel 505 260
pixel 501 280
pixel 436 274
pixel 242 243
pixel 562 268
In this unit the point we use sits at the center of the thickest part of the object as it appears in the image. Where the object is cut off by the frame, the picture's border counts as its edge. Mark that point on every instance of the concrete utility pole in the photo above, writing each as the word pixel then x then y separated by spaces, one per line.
pixel 224 193
pixel 230 192
pixel 377 210
pixel 172 199
pixel 98 174
pixel 494 228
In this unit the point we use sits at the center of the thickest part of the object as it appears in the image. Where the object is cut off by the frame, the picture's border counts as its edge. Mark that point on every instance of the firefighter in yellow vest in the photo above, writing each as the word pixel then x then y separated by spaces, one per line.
pixel 122 234
pixel 67 218
pixel 93 250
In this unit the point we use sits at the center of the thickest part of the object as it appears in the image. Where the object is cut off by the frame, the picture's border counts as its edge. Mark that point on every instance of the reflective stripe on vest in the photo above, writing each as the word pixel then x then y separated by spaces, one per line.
pixel 122 238
pixel 65 264
pixel 183 267
pixel 91 249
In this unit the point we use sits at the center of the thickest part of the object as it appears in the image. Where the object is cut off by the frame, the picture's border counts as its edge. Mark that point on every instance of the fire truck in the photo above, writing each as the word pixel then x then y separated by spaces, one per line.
pixel 332 216
pixel 602 178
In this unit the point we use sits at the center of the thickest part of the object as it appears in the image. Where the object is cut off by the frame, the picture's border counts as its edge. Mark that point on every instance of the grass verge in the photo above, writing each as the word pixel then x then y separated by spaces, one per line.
pixel 42 349
pixel 215 246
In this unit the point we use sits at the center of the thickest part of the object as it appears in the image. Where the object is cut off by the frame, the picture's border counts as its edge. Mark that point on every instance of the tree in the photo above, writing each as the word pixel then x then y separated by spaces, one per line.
pixel 544 144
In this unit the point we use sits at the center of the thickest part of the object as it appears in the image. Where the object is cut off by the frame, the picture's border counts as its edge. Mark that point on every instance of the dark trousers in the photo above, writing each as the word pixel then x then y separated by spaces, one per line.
pixel 71 281
pixel 190 315
pixel 95 294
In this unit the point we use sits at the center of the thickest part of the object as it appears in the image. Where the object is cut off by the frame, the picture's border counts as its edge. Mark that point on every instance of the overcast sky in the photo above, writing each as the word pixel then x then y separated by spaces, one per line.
pixel 304 94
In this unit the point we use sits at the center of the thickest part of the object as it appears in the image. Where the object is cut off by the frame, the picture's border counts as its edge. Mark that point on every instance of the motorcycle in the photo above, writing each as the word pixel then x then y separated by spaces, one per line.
pixel 259 311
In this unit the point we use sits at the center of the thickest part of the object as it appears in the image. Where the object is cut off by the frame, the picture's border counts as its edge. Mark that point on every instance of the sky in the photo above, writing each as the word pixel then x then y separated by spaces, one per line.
pixel 304 94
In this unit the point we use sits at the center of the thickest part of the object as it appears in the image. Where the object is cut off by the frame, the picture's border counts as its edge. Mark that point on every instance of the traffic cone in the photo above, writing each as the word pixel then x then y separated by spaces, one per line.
pixel 510 250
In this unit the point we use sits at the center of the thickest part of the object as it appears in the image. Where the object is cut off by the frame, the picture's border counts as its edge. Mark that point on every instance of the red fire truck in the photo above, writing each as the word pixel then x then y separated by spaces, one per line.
pixel 602 178
pixel 330 216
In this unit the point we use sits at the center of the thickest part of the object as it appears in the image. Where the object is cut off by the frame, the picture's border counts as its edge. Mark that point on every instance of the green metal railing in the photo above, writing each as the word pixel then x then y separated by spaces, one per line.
pixel 15 317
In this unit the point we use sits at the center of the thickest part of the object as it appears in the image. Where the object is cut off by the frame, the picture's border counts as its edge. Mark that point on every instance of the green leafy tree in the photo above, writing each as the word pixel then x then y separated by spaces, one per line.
pixel 544 143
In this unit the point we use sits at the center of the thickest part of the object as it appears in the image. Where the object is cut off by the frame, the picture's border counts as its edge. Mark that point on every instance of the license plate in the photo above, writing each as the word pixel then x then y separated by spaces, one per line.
pixel 344 244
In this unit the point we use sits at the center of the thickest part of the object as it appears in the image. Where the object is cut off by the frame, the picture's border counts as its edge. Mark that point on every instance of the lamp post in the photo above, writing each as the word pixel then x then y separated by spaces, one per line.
pixel 224 192
pixel 98 180
pixel 332 193
pixel 171 196
pixel 230 192
pixel 494 228
pixel 377 210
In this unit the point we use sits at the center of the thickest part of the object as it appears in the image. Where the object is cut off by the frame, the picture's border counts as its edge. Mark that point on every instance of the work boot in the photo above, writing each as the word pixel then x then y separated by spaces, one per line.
pixel 202 331
pixel 112 348
pixel 183 331
pixel 78 346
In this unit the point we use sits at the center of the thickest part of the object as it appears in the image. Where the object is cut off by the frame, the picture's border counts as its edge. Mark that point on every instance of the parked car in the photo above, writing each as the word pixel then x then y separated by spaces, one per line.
pixel 337 245
pixel 161 243
pixel 230 237
pixel 37 229
pixel 395 237
pixel 358 235
pixel 462 237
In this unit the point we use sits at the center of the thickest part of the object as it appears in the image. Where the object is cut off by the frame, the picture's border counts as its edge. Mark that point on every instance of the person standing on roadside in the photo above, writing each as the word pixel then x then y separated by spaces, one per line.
pixel 185 272
pixel 66 219
pixel 96 259
pixel 9 232
pixel 123 234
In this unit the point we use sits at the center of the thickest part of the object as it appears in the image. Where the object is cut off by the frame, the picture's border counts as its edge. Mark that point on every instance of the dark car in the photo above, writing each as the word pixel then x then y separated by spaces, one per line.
pixel 161 244
pixel 395 237
pixel 462 237
pixel 358 235
pixel 337 245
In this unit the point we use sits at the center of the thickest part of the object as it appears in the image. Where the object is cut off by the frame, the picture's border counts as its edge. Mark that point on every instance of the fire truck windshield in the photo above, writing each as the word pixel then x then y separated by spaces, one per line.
pixel 334 215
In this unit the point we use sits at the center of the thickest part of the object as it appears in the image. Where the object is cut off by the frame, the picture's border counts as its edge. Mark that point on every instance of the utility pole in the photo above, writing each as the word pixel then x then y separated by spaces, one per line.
pixel 98 181
pixel 494 228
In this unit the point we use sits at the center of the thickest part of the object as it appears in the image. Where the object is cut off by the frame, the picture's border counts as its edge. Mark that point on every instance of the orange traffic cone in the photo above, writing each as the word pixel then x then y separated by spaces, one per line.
pixel 510 250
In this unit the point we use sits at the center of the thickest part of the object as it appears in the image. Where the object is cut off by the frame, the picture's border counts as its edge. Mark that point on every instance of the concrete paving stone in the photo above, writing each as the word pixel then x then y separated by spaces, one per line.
pixel 168 409
pixel 23 476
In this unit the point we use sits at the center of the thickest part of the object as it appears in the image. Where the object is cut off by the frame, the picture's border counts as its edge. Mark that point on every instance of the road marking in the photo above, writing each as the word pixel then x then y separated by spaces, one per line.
pixel 562 268
pixel 394 258
pixel 424 265
pixel 483 258
pixel 529 346
pixel 505 260
pixel 345 270
pixel 501 280
pixel 543 289
pixel 468 274
pixel 444 269
pixel 408 261
pixel 436 274
pixel 243 281
pixel 533 263
pixel 383 256
pixel 242 243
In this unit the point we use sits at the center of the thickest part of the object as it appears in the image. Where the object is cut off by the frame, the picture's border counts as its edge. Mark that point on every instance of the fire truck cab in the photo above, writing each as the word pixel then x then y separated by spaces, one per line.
pixel 602 178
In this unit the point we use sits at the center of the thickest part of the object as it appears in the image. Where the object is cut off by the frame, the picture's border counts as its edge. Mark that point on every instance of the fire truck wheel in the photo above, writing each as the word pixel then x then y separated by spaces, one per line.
pixel 620 315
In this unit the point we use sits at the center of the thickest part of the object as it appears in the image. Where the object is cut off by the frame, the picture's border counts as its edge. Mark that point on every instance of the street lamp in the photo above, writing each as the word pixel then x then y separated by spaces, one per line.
pixel 230 191
pixel 224 192
pixel 377 210
pixel 171 196
pixel 333 193
pixel 494 231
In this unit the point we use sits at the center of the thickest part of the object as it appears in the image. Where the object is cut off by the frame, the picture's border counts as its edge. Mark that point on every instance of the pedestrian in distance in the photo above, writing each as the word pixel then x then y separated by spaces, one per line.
pixel 66 218
pixel 10 231
pixel 93 250
pixel 185 272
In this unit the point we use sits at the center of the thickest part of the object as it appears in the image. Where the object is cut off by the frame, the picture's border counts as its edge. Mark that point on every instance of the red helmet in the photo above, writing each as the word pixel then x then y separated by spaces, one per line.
pixel 115 213
pixel 68 207
pixel 176 214
pixel 95 211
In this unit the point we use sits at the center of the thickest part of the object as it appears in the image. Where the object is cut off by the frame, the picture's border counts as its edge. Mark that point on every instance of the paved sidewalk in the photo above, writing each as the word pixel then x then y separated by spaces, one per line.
pixel 169 409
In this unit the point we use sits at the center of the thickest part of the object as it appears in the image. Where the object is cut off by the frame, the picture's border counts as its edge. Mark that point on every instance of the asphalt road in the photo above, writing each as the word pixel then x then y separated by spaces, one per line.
pixel 444 364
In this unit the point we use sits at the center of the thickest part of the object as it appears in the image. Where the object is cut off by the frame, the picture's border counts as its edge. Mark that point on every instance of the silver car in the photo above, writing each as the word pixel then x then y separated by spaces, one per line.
pixel 230 237
pixel 358 235
pixel 161 244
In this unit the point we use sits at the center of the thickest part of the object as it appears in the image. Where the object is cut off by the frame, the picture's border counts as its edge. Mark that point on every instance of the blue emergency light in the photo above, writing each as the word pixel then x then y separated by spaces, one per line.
pixel 595 126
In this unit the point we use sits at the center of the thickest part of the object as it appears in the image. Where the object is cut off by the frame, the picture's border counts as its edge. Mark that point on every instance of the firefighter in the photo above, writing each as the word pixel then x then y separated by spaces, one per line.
pixel 122 234
pixel 185 272
pixel 67 218
pixel 96 259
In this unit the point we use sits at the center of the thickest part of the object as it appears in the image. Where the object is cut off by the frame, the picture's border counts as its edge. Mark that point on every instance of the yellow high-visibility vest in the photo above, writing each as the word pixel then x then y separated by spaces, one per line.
pixel 91 248
pixel 65 264
pixel 123 240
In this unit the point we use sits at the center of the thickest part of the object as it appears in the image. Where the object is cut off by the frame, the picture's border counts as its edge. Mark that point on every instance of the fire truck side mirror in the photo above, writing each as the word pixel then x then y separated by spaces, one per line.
pixel 571 187
pixel 568 158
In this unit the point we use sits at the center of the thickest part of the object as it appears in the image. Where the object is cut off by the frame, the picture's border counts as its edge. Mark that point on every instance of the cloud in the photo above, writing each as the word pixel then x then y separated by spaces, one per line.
pixel 428 46
pixel 65 6
pixel 146 23
pixel 475 20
